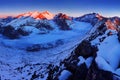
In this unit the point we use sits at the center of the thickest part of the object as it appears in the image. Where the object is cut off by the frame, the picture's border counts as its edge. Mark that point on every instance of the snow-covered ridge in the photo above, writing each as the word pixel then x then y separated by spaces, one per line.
pixel 95 56
pixel 30 63
pixel 37 15
pixel 31 48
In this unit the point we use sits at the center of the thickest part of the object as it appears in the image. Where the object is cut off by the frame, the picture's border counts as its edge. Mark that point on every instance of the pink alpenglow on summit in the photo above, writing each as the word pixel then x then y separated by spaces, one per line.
pixel 38 15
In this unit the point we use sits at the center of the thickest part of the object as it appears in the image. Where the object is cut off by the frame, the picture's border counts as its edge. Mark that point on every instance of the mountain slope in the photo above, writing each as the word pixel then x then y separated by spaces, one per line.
pixel 61 48
pixel 94 57
pixel 37 61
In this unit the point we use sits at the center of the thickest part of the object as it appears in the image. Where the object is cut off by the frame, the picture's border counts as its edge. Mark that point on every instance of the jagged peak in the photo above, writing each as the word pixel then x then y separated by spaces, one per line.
pixel 99 16
pixel 46 12
pixel 37 15
pixel 62 16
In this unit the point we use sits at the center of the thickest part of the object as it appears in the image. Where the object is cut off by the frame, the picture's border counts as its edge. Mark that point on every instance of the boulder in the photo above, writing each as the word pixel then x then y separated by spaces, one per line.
pixel 80 72
pixel 94 73
pixel 85 49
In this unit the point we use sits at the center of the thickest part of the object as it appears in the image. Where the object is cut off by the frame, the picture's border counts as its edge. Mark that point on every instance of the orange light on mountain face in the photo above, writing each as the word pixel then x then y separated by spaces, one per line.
pixel 110 25
pixel 117 21
pixel 37 15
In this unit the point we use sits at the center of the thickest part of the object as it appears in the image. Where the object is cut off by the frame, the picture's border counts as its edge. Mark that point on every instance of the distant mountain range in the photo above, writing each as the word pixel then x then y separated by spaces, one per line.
pixel 47 15
pixel 38 15
pixel 45 46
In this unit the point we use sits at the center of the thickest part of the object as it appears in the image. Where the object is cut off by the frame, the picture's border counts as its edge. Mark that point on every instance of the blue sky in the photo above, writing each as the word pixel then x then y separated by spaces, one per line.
pixel 70 7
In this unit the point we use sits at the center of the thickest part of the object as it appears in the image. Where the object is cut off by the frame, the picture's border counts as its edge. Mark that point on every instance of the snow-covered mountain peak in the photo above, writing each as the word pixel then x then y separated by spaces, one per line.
pixel 37 15
pixel 92 18
pixel 63 16
pixel 100 17
pixel 47 12
pixel 48 15
pixel 86 47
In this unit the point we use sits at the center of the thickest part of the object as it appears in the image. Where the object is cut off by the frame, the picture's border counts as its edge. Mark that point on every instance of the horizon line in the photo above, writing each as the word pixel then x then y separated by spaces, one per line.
pixel 16 14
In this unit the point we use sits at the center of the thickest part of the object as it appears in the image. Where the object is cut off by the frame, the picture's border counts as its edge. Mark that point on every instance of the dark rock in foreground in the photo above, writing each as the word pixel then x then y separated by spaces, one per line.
pixel 85 49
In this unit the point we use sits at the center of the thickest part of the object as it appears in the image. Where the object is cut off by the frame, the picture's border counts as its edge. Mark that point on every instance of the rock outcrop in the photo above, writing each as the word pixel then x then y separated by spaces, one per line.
pixel 86 50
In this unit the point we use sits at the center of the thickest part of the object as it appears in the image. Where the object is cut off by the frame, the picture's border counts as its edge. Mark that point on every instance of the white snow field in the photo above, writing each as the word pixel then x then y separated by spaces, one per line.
pixel 18 64
pixel 108 55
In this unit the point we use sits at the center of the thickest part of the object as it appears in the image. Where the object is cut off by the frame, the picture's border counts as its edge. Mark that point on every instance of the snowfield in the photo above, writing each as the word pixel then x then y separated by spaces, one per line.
pixel 108 56
pixel 78 29
pixel 18 64
pixel 44 46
